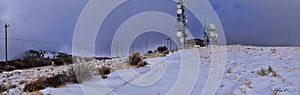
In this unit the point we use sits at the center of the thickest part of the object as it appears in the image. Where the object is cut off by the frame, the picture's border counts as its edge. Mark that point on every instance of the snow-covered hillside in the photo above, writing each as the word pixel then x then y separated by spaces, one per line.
pixel 249 70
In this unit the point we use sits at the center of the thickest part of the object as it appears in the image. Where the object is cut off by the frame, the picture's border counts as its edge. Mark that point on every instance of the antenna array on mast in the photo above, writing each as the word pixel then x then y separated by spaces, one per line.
pixel 181 24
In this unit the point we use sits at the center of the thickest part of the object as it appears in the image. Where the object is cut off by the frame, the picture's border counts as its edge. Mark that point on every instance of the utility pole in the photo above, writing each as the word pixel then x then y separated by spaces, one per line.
pixel 169 43
pixel 132 49
pixel 6 26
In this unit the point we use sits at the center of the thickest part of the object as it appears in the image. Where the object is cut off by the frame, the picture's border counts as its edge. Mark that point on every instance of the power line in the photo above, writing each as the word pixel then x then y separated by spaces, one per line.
pixel 32 41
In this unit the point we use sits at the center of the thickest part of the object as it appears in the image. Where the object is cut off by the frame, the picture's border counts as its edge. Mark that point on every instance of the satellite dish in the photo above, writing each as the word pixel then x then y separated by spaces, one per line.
pixel 181 40
pixel 179 11
pixel 178 6
pixel 179 34
pixel 213 34
pixel 212 26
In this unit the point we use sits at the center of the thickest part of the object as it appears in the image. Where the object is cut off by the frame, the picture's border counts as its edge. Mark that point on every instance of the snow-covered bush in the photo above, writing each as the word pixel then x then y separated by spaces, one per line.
pixel 83 71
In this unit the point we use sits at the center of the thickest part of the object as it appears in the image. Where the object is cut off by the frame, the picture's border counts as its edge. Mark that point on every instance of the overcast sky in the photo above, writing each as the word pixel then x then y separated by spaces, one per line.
pixel 49 24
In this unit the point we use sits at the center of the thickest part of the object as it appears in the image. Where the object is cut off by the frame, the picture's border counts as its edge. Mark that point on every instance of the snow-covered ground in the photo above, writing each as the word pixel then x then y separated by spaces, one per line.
pixel 242 74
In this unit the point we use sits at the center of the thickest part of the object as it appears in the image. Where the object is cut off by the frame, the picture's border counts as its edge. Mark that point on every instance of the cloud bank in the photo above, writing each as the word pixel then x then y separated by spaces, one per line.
pixel 49 24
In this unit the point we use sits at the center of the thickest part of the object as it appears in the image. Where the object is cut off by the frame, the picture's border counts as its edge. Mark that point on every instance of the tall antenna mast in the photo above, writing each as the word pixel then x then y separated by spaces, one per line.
pixel 170 39
pixel 6 57
pixel 181 23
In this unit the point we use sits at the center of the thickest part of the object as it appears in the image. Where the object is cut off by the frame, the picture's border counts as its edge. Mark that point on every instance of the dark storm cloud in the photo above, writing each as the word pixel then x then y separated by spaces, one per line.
pixel 254 22
pixel 37 22
pixel 260 22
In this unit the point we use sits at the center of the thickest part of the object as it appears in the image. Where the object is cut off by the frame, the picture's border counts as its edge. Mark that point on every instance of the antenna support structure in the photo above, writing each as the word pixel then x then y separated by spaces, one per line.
pixel 181 24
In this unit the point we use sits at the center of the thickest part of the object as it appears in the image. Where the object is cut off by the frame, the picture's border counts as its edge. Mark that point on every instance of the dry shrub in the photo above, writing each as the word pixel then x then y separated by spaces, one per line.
pixel 262 72
pixel 58 61
pixel 248 84
pixel 104 71
pixel 274 74
pixel 22 82
pixel 71 76
pixel 162 49
pixel 6 87
pixel 3 88
pixel 136 60
pixel 141 64
pixel 10 85
pixel 9 68
pixel 36 85
pixel 83 71
pixel 30 62
pixel 68 60
pixel 273 51
pixel 229 71
pixel 268 71
pixel 166 52
pixel 57 80
pixel 149 52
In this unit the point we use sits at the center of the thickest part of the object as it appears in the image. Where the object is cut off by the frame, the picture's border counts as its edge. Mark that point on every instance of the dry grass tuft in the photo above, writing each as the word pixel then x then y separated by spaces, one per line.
pixel 229 71
pixel 83 71
pixel 270 70
pixel 262 72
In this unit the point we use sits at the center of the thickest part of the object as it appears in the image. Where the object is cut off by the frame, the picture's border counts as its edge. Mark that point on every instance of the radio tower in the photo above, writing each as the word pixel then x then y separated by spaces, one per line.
pixel 181 24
